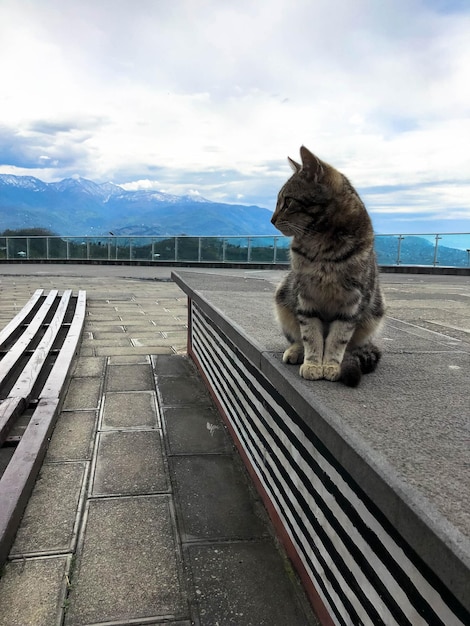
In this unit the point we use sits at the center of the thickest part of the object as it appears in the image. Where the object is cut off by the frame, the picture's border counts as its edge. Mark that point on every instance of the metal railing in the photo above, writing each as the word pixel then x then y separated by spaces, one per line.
pixel 444 250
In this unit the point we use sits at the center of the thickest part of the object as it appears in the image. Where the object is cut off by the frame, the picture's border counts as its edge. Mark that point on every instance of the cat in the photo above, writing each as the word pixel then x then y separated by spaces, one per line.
pixel 330 304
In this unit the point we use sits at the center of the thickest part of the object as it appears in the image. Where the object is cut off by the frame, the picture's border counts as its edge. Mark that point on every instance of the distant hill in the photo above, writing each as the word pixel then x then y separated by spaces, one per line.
pixel 80 207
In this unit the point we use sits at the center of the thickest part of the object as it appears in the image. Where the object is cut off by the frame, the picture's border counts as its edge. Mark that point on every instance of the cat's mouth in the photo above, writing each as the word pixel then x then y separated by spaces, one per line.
pixel 283 227
pixel 290 230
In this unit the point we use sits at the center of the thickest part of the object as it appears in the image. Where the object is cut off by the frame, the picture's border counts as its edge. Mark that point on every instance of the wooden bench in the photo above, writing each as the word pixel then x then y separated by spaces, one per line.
pixel 36 353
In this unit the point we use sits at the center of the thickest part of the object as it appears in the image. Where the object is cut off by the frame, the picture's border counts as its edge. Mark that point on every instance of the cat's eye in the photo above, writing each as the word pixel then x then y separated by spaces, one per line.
pixel 287 203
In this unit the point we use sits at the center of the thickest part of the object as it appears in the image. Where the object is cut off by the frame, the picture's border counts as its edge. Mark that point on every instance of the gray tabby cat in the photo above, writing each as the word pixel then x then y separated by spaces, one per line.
pixel 330 304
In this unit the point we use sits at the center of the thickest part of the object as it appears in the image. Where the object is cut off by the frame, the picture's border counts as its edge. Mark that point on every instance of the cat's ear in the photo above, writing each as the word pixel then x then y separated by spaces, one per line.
pixel 294 165
pixel 311 165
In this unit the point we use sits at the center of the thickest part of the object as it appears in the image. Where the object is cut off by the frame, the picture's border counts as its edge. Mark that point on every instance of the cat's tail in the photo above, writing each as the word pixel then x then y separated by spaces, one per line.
pixel 361 360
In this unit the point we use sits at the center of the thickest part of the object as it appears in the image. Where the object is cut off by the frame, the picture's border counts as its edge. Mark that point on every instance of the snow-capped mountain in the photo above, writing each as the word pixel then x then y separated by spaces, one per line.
pixel 80 207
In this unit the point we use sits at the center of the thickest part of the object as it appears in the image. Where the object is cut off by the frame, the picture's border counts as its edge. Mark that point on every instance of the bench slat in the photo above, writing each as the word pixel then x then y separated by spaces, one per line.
pixel 61 367
pixel 13 355
pixel 19 318
pixel 28 377
pixel 20 475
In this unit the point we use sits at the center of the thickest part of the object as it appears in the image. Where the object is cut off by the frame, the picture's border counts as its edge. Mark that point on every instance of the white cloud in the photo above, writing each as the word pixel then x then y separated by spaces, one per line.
pixel 213 100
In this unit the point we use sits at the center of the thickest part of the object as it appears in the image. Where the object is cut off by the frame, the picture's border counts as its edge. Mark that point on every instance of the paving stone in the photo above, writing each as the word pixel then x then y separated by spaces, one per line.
pixel 117 351
pixel 183 391
pixel 130 378
pixel 103 315
pixel 172 365
pixel 86 351
pixel 214 499
pixel 49 520
pixel 108 331
pixel 83 393
pixel 132 409
pixel 129 463
pixel 246 584
pixel 128 567
pixel 113 341
pixel 154 323
pixel 129 359
pixel 72 437
pixel 149 330
pixel 176 339
pixel 101 324
pixel 195 430
pixel 89 366
pixel 32 592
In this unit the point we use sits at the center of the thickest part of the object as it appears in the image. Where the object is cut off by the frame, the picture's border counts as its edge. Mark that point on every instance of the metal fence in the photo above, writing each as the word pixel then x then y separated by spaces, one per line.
pixel 444 250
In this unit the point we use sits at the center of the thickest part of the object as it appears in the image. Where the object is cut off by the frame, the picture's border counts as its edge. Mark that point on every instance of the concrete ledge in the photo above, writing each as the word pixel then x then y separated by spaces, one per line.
pixel 366 487
pixel 386 269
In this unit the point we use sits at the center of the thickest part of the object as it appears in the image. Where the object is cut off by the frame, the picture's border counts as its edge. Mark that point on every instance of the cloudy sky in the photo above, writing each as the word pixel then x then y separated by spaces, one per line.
pixel 210 96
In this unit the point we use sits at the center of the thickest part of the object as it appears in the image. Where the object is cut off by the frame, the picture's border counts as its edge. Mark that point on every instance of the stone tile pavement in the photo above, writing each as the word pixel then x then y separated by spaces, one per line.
pixel 142 512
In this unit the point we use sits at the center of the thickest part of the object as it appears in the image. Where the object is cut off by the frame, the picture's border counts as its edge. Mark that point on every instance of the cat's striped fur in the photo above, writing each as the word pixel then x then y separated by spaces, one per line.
pixel 329 304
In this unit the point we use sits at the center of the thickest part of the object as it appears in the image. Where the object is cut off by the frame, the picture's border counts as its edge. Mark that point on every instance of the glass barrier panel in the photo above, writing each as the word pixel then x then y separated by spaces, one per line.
pixel 36 247
pixel 188 249
pixel 141 248
pixel 98 248
pixel 454 250
pixel 282 250
pixel 77 249
pixel 212 249
pixel 416 250
pixel 56 248
pixel 17 248
pixel 164 249
pixel 3 247
pixel 262 250
pixel 236 249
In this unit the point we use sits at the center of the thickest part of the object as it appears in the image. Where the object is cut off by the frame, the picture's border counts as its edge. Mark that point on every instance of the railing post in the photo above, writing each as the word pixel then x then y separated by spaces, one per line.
pixel 176 248
pixel 130 249
pixel 248 254
pixel 47 248
pixel 199 250
pixel 275 250
pixel 27 247
pixel 67 252
pixel 400 239
pixel 224 249
pixel 87 249
pixel 435 261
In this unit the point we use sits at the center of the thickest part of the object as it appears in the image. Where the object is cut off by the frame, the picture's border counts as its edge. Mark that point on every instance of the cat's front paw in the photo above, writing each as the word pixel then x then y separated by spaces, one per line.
pixel 293 354
pixel 311 371
pixel 332 371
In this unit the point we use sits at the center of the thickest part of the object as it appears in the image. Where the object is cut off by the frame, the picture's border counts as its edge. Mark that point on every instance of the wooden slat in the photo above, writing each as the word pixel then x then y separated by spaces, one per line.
pixel 19 318
pixel 9 411
pixel 20 475
pixel 28 377
pixel 13 355
pixel 61 368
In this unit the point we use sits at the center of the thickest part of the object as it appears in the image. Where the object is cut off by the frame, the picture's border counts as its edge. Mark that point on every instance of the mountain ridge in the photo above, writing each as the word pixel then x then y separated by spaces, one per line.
pixel 81 207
